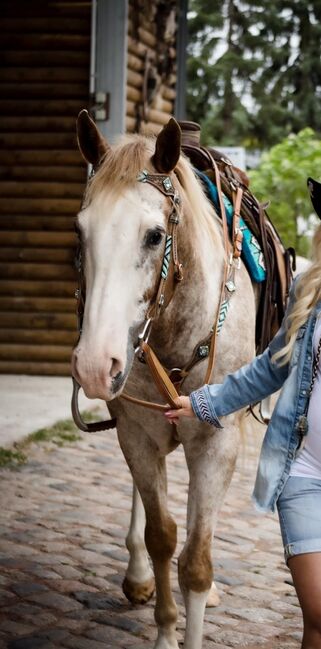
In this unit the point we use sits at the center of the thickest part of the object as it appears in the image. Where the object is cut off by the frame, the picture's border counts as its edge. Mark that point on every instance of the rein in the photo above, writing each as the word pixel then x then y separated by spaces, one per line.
pixel 169 382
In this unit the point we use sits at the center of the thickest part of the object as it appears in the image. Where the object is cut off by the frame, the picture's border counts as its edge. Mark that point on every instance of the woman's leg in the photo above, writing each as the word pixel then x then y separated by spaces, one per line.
pixel 306 573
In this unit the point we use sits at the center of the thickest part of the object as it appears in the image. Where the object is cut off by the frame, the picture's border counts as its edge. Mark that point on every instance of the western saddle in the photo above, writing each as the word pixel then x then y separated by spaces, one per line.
pixel 279 260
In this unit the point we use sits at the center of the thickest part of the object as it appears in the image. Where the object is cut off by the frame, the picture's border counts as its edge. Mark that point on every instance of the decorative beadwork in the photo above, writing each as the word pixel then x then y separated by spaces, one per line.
pixel 222 315
pixel 167 254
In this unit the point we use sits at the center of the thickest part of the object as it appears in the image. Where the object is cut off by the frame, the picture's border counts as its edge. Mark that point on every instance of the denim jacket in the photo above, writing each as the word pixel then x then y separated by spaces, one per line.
pixel 252 383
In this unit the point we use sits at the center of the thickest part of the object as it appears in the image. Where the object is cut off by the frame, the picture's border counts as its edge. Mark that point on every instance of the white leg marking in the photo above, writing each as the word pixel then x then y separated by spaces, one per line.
pixel 195 609
pixel 213 598
pixel 138 570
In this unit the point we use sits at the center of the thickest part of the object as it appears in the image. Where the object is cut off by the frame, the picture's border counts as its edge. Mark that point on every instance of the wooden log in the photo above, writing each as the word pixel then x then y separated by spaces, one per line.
pixel 38 141
pixel 137 48
pixel 38 304
pixel 133 94
pixel 40 206
pixel 38 271
pixel 169 93
pixel 27 172
pixel 145 36
pixel 38 321
pixel 34 157
pixel 39 42
pixel 47 223
pixel 48 353
pixel 39 240
pixel 156 116
pixel 44 74
pixel 32 8
pixel 36 287
pixel 39 337
pixel 56 59
pixel 130 124
pixel 41 107
pixel 35 368
pixel 41 189
pixel 149 128
pixel 134 79
pixel 39 124
pixel 131 108
pixel 52 255
pixel 134 62
pixel 44 24
pixel 44 91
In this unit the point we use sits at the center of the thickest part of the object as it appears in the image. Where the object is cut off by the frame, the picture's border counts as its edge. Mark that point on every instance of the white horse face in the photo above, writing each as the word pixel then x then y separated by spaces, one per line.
pixel 123 237
pixel 123 244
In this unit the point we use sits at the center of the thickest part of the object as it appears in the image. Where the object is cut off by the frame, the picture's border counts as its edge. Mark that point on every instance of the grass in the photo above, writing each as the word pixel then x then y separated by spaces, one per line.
pixel 62 433
pixel 11 459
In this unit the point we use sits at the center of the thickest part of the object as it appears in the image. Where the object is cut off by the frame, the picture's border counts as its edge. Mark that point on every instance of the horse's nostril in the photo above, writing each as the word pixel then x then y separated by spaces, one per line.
pixel 116 368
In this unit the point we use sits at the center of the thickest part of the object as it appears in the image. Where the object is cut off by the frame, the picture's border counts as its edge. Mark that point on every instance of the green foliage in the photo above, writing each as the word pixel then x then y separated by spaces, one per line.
pixel 254 69
pixel 11 459
pixel 281 178
pixel 60 433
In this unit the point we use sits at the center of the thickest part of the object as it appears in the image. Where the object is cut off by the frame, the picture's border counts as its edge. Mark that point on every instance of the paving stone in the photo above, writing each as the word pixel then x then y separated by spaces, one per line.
pixel 54 600
pixel 28 588
pixel 120 622
pixel 15 628
pixel 98 601
pixel 85 643
pixel 73 528
pixel 112 635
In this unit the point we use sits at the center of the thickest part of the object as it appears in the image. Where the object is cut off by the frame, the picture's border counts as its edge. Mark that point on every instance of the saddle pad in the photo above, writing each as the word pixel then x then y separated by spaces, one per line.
pixel 251 250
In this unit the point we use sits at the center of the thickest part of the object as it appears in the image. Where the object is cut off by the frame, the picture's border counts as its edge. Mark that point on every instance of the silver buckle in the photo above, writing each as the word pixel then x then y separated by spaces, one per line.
pixel 143 336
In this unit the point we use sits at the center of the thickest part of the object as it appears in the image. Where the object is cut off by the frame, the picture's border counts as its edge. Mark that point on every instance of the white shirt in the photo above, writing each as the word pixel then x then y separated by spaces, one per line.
pixel 308 461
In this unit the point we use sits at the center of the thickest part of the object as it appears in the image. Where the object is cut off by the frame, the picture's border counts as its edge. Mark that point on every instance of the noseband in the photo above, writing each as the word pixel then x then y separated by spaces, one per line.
pixel 167 381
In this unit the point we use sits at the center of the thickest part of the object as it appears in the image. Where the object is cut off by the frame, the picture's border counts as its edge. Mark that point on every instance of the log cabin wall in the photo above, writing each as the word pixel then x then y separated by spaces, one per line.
pixel 46 48
pixel 44 82
pixel 151 64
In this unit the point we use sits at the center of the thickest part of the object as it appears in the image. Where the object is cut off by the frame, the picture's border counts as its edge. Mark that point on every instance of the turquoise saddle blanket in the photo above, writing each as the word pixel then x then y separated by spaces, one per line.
pixel 252 254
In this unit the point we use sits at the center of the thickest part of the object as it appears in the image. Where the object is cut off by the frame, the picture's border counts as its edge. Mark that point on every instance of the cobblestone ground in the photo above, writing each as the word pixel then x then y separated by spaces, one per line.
pixel 64 517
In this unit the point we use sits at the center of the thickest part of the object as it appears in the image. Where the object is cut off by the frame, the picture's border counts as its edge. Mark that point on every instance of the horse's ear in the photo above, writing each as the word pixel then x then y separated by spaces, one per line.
pixel 168 147
pixel 91 143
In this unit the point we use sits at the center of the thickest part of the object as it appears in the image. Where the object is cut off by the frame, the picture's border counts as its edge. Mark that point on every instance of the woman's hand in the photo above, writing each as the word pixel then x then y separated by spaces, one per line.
pixel 185 410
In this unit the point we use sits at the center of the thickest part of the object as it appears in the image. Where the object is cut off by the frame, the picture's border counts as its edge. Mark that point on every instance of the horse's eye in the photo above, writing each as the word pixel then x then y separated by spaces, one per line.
pixel 153 238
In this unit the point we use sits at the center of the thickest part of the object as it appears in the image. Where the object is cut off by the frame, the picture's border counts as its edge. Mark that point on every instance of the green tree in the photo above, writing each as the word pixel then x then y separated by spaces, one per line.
pixel 281 178
pixel 254 69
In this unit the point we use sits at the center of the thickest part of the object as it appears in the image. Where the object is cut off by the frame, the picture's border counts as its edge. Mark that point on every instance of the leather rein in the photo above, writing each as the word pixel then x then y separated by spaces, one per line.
pixel 169 382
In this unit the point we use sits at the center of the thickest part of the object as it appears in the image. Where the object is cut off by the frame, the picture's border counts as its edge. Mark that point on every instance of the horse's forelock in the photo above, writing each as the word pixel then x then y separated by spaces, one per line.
pixel 122 164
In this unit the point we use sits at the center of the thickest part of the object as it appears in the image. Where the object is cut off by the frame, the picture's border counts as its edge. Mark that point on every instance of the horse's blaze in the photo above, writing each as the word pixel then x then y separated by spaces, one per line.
pixel 139 593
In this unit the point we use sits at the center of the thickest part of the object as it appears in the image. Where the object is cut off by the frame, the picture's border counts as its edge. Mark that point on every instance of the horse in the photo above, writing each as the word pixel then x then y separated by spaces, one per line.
pixel 123 225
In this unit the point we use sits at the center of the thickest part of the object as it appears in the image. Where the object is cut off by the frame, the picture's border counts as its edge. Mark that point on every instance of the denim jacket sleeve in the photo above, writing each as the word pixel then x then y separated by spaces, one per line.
pixel 248 385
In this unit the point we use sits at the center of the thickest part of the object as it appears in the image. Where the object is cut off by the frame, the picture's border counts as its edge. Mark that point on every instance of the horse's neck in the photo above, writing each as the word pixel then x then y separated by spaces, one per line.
pixel 191 313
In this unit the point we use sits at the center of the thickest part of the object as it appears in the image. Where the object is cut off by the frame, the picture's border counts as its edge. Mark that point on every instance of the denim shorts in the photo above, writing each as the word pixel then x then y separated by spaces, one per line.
pixel 299 508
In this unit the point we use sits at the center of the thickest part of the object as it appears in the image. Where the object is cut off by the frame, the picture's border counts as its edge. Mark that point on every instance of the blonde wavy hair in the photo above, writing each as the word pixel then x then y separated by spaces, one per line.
pixel 307 294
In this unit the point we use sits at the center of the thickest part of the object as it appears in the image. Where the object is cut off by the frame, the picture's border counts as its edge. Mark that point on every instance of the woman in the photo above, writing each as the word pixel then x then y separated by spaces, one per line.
pixel 289 472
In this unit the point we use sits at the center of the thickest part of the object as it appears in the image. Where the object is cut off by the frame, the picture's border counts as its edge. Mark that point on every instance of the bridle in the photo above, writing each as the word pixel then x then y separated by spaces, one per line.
pixel 170 381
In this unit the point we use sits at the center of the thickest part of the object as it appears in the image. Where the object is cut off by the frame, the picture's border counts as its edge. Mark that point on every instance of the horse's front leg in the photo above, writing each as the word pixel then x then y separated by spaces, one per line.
pixel 149 474
pixel 139 582
pixel 210 460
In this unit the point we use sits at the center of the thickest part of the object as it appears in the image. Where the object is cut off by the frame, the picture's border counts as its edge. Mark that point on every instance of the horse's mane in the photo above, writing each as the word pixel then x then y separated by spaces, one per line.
pixel 130 155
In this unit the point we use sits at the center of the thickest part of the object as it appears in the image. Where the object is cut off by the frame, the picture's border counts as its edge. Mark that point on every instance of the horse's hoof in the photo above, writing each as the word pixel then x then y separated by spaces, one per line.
pixel 139 593
pixel 213 598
